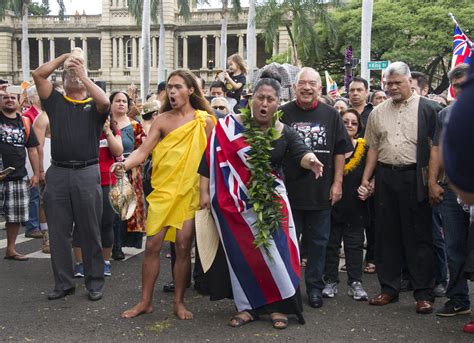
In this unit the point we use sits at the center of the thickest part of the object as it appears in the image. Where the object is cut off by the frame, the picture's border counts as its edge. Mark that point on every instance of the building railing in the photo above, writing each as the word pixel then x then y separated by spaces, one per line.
pixel 67 21
pixel 211 17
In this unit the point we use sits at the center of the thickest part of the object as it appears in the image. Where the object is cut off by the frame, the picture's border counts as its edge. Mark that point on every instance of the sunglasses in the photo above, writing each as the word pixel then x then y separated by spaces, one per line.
pixel 220 108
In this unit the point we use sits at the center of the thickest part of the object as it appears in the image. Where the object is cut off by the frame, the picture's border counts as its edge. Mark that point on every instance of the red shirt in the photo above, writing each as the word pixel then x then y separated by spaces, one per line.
pixel 106 159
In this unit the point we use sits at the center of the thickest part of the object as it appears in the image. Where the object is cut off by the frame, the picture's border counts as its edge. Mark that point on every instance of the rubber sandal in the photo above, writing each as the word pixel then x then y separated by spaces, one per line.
pixel 343 268
pixel 239 321
pixel 276 321
pixel 17 257
pixel 369 268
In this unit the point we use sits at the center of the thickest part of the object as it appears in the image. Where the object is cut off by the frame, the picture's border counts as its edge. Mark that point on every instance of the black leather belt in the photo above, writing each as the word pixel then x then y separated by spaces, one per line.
pixel 74 164
pixel 398 167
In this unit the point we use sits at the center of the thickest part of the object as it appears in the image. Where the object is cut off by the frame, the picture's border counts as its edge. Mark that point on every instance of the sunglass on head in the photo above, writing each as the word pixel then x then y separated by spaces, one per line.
pixel 221 108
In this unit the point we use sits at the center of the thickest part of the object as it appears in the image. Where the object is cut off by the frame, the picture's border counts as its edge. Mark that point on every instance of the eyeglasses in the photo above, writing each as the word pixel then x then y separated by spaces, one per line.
pixel 351 123
pixel 220 108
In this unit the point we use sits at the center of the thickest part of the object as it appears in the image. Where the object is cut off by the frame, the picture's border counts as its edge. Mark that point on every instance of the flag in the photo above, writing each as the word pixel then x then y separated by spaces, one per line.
pixel 331 86
pixel 462 53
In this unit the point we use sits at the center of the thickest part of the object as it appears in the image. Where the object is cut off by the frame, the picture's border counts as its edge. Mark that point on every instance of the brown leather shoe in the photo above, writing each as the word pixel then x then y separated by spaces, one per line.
pixel 424 307
pixel 383 299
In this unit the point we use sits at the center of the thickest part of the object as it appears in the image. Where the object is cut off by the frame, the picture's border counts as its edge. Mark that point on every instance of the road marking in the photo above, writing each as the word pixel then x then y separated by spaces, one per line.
pixel 19 239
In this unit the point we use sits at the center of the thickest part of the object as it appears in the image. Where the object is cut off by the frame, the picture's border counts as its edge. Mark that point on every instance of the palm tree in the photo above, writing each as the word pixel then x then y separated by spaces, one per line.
pixel 135 8
pixel 236 8
pixel 299 18
pixel 20 8
pixel 145 55
pixel 251 40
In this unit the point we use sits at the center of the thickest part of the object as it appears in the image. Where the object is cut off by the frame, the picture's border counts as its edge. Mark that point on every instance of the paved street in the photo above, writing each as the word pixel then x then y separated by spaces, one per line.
pixel 26 315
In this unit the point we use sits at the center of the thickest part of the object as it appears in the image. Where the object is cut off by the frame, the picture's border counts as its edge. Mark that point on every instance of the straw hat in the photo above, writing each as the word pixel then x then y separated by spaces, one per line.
pixel 207 238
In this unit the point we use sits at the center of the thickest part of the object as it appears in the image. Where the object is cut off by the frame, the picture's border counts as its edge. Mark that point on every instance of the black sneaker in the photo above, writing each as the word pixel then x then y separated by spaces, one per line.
pixel 451 310
pixel 168 287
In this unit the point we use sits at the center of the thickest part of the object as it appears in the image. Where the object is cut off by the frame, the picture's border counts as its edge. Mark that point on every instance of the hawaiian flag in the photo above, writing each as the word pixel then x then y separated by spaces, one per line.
pixel 256 278
pixel 462 53
pixel 331 86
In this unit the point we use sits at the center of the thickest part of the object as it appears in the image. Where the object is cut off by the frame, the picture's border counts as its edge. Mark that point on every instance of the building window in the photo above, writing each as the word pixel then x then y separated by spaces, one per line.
pixel 128 53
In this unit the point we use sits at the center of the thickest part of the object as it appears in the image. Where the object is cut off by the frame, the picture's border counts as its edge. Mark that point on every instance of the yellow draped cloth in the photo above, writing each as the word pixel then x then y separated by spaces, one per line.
pixel 174 178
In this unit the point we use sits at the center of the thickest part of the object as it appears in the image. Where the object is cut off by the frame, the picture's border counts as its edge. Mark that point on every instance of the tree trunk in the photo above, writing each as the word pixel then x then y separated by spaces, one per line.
pixel 25 48
pixel 225 15
pixel 251 41
pixel 145 52
pixel 294 51
pixel 161 46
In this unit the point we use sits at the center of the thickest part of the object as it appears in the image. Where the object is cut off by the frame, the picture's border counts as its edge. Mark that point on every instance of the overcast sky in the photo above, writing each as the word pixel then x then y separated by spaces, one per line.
pixel 95 6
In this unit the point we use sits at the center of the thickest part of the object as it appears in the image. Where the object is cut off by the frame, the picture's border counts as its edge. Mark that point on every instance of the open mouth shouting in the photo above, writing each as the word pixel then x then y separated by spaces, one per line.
pixel 173 101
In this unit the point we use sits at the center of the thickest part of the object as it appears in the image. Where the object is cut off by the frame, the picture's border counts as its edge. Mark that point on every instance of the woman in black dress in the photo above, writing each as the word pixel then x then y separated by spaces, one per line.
pixel 349 217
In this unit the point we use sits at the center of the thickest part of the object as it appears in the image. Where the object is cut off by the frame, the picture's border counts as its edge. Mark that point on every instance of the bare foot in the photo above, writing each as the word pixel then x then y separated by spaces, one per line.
pixel 181 312
pixel 138 309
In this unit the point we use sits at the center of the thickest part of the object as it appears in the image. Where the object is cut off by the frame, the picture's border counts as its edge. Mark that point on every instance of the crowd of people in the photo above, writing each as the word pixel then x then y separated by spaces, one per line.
pixel 290 186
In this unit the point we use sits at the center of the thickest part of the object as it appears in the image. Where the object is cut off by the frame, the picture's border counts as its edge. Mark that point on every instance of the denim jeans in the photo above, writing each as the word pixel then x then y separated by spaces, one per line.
pixel 317 227
pixel 33 222
pixel 456 225
pixel 441 262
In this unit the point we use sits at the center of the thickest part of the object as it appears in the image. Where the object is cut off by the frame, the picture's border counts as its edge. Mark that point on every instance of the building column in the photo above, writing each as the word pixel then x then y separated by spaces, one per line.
pixel 15 54
pixel 217 51
pixel 120 53
pixel 140 52
pixel 176 52
pixel 73 43
pixel 114 52
pixel 134 52
pixel 40 51
pixel 204 52
pixel 153 52
pixel 52 53
pixel 241 44
pixel 84 48
pixel 185 51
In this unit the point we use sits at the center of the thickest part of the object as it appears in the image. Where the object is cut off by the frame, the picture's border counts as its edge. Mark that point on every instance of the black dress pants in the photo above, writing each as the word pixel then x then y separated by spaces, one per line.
pixel 403 228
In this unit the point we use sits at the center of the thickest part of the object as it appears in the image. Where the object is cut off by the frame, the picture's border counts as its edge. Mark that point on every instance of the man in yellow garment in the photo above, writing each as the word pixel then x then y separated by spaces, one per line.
pixel 177 140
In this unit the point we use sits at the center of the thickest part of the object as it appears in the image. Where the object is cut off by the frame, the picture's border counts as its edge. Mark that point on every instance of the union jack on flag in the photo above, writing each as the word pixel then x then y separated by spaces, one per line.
pixel 462 53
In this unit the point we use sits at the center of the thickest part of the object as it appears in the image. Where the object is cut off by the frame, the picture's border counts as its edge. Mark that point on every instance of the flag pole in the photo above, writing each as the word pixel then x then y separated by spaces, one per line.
pixel 453 19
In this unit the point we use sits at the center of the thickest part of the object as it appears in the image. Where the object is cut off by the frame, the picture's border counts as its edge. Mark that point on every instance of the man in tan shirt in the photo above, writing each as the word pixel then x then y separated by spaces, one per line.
pixel 398 135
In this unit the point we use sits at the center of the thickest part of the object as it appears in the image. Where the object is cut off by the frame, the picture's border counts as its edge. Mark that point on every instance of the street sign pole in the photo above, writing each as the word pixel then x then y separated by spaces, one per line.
pixel 366 36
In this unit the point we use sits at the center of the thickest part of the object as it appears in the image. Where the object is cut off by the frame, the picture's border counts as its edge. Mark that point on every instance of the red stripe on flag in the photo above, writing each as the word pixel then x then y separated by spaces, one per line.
pixel 244 238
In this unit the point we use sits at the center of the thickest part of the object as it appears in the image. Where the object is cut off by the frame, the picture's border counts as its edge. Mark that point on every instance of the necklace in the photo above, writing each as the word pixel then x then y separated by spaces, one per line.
pixel 265 200
pixel 356 158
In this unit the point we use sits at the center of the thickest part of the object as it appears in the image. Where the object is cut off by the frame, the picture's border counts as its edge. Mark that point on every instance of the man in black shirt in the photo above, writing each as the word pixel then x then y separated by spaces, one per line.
pixel 322 129
pixel 73 193
pixel 14 137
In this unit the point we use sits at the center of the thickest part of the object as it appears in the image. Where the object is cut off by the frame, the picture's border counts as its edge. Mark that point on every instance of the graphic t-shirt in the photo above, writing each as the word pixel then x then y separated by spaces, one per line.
pixel 236 93
pixel 323 130
pixel 12 146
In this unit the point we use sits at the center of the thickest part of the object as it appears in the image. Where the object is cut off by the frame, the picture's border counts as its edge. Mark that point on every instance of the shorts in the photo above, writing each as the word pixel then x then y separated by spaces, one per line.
pixel 16 198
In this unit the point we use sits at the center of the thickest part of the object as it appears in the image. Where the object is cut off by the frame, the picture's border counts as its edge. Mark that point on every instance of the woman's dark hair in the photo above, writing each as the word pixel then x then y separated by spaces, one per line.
pixel 359 121
pixel 197 100
pixel 268 82
pixel 270 74
pixel 114 94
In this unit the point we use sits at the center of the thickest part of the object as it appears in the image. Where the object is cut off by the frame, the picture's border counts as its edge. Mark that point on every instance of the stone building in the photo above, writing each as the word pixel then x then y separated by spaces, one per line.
pixel 111 42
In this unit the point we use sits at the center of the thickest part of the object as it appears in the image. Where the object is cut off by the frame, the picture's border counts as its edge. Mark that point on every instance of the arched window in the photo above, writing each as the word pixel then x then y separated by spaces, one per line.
pixel 128 53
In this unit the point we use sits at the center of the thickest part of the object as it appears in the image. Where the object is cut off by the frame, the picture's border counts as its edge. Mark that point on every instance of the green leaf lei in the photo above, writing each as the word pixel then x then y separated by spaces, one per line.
pixel 263 195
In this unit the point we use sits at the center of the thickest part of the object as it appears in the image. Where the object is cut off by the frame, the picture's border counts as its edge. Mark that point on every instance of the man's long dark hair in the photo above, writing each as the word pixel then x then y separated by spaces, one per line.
pixel 197 100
